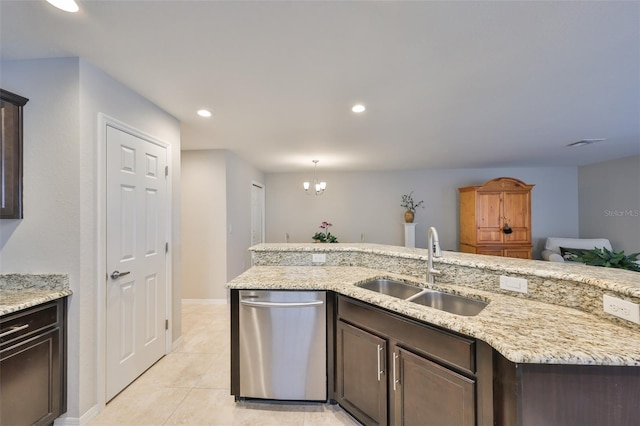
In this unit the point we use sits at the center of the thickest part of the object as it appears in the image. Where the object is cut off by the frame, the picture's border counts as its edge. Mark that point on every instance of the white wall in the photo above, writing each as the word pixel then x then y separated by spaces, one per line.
pixel 369 203
pixel 240 176
pixel 216 206
pixel 59 231
pixel 204 218
pixel 609 200
pixel 48 238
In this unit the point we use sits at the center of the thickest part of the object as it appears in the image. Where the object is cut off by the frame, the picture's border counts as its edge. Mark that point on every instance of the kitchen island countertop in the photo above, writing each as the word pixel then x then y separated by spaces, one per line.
pixel 521 329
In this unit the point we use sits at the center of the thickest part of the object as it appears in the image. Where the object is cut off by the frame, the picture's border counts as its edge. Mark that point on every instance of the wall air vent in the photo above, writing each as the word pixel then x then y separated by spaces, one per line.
pixel 584 142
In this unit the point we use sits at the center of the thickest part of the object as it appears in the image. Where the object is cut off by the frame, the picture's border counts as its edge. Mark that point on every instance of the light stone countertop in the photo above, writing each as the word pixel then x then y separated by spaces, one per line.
pixel 21 291
pixel 618 280
pixel 522 330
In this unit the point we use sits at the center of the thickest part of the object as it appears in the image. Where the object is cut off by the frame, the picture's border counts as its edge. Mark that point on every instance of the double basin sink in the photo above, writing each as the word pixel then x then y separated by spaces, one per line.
pixel 451 303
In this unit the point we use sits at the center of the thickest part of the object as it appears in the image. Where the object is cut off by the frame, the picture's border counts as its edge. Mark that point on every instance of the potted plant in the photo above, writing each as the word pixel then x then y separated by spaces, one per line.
pixel 606 258
pixel 324 236
pixel 410 205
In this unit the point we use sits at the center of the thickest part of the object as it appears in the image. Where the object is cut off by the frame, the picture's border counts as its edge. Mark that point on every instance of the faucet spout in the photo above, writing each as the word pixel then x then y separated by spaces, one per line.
pixel 433 245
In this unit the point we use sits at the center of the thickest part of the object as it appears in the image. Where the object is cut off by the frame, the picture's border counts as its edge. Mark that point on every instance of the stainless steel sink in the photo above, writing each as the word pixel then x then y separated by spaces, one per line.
pixel 452 303
pixel 392 288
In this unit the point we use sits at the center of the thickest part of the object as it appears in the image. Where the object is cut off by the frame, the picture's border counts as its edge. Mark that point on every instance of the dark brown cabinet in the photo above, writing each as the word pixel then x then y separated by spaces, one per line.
pixel 33 365
pixel 362 374
pixel 425 392
pixel 565 395
pixel 396 371
pixel 11 154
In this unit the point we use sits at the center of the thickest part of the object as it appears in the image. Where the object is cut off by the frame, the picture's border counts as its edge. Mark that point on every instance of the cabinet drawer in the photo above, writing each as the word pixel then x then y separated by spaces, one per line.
pixel 446 347
pixel 27 322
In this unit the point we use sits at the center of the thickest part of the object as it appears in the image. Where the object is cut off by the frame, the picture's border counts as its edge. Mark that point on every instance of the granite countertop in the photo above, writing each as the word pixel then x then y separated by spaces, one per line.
pixel 21 291
pixel 522 330
pixel 625 282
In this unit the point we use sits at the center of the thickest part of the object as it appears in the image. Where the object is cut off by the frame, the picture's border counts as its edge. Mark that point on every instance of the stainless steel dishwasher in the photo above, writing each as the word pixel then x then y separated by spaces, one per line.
pixel 283 345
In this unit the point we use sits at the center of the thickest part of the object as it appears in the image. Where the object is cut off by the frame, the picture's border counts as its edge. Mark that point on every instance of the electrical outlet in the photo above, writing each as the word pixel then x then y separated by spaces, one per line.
pixel 621 308
pixel 318 258
pixel 513 284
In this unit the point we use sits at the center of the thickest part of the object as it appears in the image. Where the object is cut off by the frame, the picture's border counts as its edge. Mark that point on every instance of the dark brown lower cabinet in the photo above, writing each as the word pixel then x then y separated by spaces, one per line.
pixel 428 394
pixel 32 365
pixel 566 395
pixel 362 377
pixel 395 371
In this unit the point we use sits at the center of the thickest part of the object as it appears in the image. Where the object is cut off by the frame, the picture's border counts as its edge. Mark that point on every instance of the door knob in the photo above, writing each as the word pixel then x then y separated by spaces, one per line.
pixel 117 274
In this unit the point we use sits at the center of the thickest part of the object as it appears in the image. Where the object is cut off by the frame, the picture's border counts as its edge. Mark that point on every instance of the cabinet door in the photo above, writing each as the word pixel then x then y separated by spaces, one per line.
pixel 11 154
pixel 361 376
pixel 517 212
pixel 31 377
pixel 426 393
pixel 489 217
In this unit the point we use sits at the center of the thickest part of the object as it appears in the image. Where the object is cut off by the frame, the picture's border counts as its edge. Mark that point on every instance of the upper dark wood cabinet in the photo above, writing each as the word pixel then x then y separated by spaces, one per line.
pixel 11 154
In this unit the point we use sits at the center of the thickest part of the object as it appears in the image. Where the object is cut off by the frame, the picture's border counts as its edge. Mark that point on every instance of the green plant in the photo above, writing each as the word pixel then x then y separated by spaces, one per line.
pixel 409 204
pixel 325 236
pixel 607 258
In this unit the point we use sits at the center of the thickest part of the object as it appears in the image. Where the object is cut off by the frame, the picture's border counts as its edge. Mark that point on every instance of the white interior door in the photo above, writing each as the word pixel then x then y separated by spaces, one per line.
pixel 136 235
pixel 257 214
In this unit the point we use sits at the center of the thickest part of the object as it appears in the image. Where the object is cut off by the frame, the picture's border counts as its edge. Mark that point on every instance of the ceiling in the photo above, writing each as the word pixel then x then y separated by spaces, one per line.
pixel 447 84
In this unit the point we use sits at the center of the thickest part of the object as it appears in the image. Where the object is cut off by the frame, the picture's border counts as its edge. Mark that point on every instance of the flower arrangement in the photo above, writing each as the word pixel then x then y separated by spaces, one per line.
pixel 409 204
pixel 325 236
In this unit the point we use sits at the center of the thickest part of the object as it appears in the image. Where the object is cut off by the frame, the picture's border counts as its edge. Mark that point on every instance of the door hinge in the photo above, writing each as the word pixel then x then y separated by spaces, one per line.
pixel 166 171
pixel 166 324
pixel 166 247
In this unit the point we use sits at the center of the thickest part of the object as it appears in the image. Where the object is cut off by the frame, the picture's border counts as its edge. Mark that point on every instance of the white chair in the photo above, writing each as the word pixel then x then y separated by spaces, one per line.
pixel 552 251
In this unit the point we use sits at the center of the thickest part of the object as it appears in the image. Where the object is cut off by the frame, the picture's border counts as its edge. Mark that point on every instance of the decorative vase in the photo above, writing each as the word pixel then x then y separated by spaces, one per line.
pixel 408 216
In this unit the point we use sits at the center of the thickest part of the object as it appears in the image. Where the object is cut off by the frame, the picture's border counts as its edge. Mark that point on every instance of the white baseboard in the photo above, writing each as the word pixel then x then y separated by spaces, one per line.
pixel 176 343
pixel 204 301
pixel 89 415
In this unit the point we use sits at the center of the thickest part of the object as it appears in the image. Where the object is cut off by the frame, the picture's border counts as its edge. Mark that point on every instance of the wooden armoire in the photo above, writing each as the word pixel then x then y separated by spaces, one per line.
pixel 495 218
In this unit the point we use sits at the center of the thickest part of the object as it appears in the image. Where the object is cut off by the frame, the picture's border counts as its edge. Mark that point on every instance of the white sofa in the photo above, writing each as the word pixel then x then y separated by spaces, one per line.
pixel 552 252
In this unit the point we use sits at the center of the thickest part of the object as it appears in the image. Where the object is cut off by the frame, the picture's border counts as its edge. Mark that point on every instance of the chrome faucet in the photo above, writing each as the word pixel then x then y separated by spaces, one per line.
pixel 433 245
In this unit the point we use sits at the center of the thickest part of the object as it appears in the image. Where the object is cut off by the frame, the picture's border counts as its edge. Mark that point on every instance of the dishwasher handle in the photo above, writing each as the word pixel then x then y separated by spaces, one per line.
pixel 257 304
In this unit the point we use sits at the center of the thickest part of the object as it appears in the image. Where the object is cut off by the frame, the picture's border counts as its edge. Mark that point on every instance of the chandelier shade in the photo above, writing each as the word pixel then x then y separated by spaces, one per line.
pixel 315 187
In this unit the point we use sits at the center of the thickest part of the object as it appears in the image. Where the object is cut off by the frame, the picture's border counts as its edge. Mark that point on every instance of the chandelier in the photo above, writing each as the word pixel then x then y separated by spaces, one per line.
pixel 315 187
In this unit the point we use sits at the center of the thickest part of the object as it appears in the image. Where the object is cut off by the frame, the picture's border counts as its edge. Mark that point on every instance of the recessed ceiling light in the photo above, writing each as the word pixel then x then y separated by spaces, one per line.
pixel 204 113
pixel 66 5
pixel 584 142
pixel 358 108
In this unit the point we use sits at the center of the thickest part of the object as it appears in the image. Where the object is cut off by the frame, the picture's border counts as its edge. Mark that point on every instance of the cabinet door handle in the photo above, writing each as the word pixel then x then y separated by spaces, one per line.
pixel 14 329
pixel 395 379
pixel 380 370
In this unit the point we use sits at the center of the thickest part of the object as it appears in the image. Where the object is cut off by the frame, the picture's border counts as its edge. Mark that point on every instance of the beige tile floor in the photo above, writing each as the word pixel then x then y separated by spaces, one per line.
pixel 190 386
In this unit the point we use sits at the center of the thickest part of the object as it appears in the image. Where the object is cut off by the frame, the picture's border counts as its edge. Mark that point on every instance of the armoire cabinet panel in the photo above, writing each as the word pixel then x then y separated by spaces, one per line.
pixel 488 217
pixel 520 253
pixel 498 251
